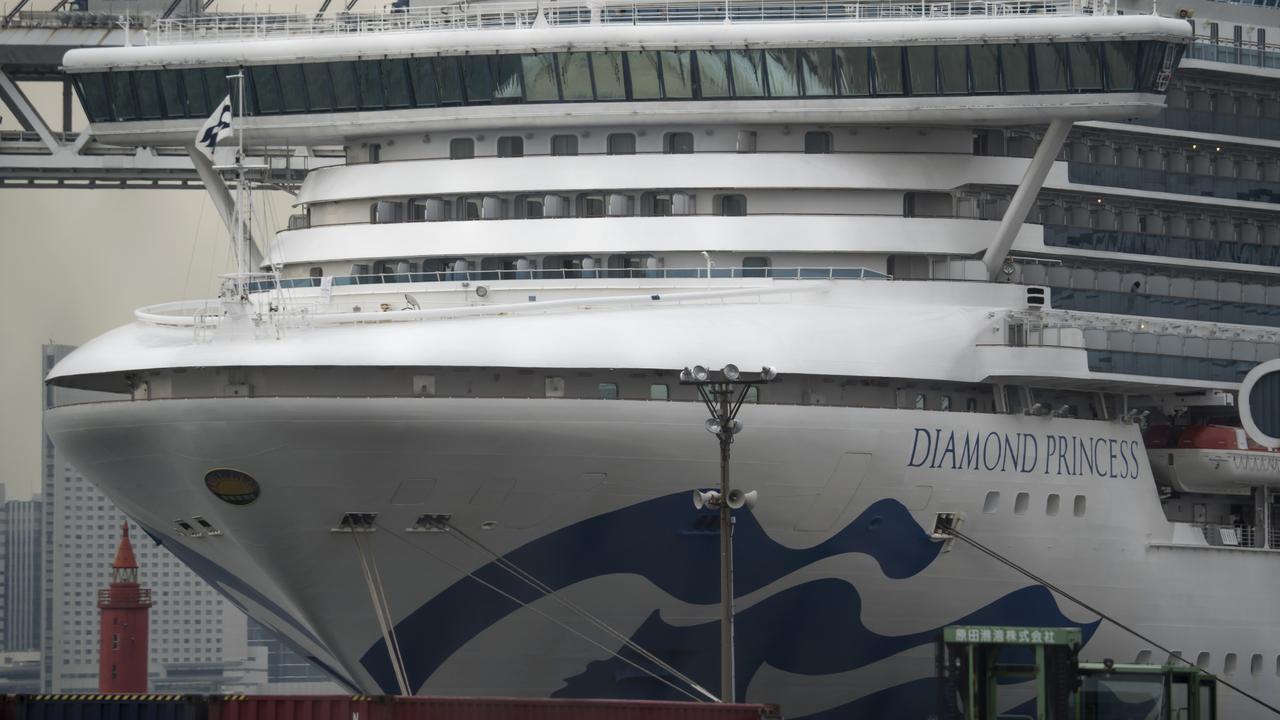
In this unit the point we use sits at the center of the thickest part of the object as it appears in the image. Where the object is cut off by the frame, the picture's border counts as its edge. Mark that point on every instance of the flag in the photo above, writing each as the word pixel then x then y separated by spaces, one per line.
pixel 216 128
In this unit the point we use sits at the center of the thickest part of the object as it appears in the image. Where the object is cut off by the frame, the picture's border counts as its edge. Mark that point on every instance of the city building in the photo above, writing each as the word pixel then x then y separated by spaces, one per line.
pixel 20 521
pixel 195 633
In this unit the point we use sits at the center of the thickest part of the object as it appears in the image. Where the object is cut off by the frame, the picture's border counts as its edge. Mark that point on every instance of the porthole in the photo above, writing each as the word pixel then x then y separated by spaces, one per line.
pixel 1021 502
pixel 1202 661
pixel 992 502
pixel 1229 664
pixel 1079 506
pixel 1255 664
pixel 1051 504
pixel 232 486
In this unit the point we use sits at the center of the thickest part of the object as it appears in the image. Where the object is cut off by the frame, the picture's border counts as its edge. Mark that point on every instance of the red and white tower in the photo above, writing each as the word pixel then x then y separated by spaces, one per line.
pixel 125 608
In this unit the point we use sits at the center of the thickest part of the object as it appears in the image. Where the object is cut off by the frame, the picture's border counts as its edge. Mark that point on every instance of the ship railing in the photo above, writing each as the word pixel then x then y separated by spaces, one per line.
pixel 1238 535
pixel 274 297
pixel 1228 50
pixel 498 15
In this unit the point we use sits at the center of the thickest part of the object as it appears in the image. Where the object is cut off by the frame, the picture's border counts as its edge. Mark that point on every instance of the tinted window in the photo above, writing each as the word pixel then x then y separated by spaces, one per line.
pixel 677 74
pixel 1122 65
pixel 644 75
pixel 506 79
pixel 395 83
pixel 953 78
pixel 171 92
pixel 733 204
pixel 748 73
pixel 817 142
pixel 216 86
pixel 369 77
pixel 713 73
pixel 1015 62
pixel 564 144
pixel 93 91
pixel 511 146
pixel 575 76
pixel 622 144
pixel 122 96
pixel 148 88
pixel 1051 67
pixel 448 81
pixel 462 149
pixel 540 77
pixel 851 64
pixel 985 62
pixel 1086 67
pixel 475 73
pixel 784 80
pixel 345 94
pixel 678 143
pixel 923 76
pixel 198 104
pixel 423 79
pixel 817 73
pixel 887 63
pixel 607 68
pixel 319 86
pixel 293 88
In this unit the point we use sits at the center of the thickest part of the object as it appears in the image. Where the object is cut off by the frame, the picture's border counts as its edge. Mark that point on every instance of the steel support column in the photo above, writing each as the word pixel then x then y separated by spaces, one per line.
pixel 1025 195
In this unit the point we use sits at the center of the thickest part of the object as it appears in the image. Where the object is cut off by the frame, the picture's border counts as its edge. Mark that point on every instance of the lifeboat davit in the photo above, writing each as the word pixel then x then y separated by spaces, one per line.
pixel 1218 459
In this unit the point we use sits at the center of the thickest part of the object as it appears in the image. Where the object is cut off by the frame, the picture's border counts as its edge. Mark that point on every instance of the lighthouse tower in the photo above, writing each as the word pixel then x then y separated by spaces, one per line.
pixel 125 608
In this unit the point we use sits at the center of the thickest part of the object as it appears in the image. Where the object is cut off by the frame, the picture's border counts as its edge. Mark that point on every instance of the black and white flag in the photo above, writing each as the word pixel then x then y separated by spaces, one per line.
pixel 215 129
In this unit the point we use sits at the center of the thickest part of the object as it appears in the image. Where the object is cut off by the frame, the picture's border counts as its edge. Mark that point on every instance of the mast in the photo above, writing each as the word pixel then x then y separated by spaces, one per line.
pixel 242 214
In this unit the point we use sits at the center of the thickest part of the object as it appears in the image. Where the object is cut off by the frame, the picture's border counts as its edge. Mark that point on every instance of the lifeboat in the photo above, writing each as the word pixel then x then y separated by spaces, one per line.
pixel 1218 459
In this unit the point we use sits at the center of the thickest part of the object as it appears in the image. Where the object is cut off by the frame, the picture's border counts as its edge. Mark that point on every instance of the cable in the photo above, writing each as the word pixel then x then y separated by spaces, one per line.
pixel 386 611
pixel 401 680
pixel 544 614
pixel 538 585
pixel 1054 588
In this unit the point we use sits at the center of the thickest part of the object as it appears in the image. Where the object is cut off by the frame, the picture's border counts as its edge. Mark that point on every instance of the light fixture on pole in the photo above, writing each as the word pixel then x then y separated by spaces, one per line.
pixel 724 392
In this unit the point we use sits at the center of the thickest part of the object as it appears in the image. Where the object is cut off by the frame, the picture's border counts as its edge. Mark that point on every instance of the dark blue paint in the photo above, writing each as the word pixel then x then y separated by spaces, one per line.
pixel 811 629
pixel 655 539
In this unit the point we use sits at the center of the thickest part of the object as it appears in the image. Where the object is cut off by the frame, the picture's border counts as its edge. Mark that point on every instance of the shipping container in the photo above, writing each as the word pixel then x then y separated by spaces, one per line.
pixel 300 707
pixel 478 708
pixel 104 707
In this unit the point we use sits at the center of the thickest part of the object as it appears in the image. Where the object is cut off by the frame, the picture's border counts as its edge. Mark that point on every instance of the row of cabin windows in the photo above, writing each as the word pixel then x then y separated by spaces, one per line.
pixel 745 74
pixel 1022 503
pixel 524 268
pixel 582 205
pixel 510 146
pixel 554 387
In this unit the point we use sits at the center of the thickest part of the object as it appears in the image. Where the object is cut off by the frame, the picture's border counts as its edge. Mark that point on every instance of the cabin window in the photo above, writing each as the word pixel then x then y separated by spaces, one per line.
pixel 316 272
pixel 563 145
pixel 591 205
pixel 510 146
pixel 944 402
pixel 887 70
pixel 462 149
pixel 659 391
pixel 575 76
pixel 554 386
pixel 530 206
pixel 1021 502
pixel 971 405
pixel 609 75
pixel 992 501
pixel 656 203
pixel 1078 508
pixel 677 75
pixel 1229 664
pixel 1202 660
pixel 621 144
pixel 677 143
pixel 921 401
pixel 782 75
pixel 748 72
pixel 817 73
pixel 540 78
pixel 1052 504
pixel 817 143
pixel 713 73
pixel 607 391
pixel 386 211
pixel 1255 664
pixel 644 75
pixel 469 208
pixel 735 205
pixel 853 71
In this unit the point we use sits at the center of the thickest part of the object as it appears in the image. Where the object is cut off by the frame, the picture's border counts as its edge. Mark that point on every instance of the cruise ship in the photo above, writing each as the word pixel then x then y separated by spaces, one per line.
pixel 1011 262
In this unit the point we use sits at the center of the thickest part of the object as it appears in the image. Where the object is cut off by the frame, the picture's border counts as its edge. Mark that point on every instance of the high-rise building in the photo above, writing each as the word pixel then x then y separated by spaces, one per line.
pixel 196 635
pixel 20 524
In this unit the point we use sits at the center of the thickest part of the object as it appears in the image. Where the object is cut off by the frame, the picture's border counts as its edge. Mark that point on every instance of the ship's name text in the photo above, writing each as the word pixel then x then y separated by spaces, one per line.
pixel 1071 455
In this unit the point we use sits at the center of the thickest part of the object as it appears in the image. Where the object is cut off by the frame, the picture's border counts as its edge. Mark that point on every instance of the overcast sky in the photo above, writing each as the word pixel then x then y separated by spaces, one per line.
pixel 78 263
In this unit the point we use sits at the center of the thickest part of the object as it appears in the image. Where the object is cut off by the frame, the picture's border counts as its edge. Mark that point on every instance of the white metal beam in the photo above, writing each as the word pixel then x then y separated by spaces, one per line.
pixel 1025 195
pixel 24 111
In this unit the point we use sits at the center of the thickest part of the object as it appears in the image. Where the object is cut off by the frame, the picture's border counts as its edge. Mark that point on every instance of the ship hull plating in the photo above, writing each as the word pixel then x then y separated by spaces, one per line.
pixel 840 590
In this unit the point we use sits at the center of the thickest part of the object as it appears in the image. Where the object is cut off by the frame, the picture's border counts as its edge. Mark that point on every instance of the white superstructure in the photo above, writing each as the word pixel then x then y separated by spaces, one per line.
pixel 478 322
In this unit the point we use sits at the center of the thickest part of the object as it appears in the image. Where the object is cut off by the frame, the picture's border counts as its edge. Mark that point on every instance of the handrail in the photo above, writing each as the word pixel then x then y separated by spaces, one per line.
pixel 499 15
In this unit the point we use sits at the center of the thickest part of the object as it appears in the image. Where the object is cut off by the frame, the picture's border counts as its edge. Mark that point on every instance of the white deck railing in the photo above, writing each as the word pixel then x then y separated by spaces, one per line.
pixel 226 28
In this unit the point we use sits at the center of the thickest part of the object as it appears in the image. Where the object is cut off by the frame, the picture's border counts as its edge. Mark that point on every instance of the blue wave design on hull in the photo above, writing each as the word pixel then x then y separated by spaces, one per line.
pixel 663 540
pixel 810 629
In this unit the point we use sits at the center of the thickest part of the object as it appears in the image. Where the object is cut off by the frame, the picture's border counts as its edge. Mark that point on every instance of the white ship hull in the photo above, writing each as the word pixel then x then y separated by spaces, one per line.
pixel 840 591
